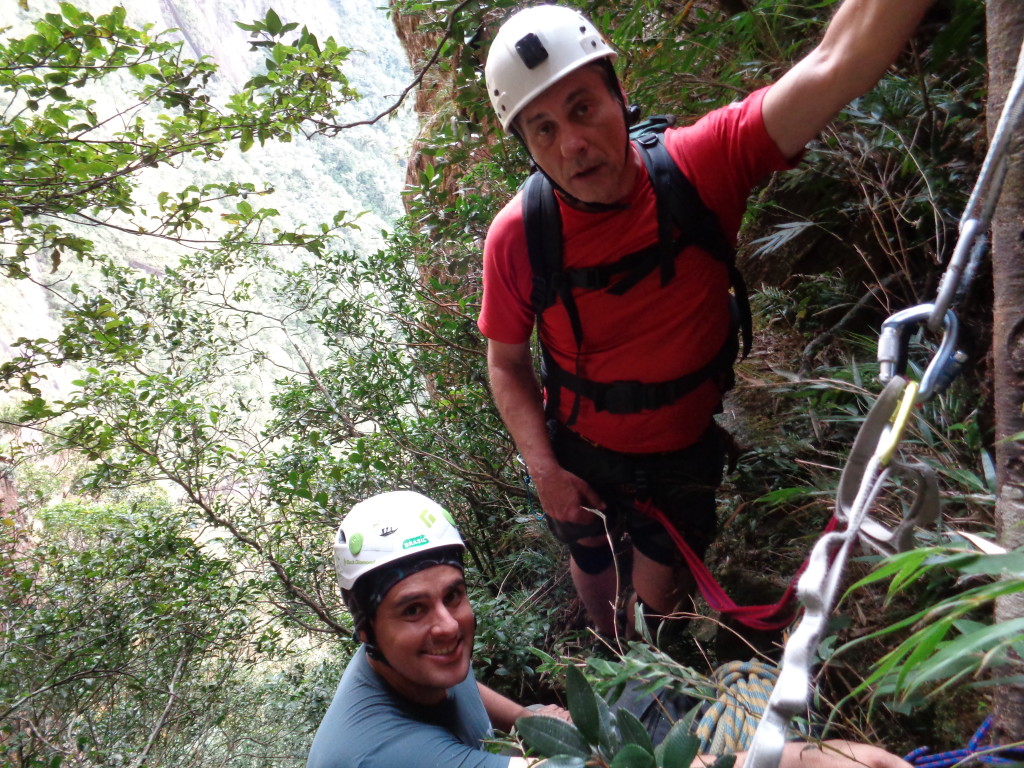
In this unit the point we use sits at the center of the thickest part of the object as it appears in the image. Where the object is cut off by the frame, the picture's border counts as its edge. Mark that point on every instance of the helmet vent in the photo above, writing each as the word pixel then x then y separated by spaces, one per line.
pixel 531 50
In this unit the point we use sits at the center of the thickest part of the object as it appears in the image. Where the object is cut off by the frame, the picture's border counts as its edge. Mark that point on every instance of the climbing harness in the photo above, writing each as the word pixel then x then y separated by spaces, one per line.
pixel 873 463
pixel 922 757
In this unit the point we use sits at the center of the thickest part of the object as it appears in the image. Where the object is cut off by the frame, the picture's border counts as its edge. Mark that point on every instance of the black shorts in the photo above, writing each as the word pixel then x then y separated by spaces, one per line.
pixel 682 484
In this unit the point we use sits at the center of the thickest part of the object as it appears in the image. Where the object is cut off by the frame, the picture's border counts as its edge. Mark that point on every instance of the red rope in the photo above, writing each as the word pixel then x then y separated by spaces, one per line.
pixel 762 617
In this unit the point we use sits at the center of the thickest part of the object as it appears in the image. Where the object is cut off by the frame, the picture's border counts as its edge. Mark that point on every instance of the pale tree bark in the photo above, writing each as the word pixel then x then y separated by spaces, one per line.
pixel 1005 31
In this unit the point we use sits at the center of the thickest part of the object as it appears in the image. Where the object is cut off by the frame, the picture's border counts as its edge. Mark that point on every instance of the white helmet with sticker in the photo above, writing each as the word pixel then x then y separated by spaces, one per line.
pixel 387 527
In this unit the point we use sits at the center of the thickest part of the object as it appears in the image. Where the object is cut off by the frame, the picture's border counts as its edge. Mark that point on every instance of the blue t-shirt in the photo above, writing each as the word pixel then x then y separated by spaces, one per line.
pixel 368 725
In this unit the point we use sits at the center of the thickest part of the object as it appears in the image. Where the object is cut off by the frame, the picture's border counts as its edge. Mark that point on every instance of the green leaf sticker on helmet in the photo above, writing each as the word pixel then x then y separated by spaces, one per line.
pixel 449 518
pixel 355 544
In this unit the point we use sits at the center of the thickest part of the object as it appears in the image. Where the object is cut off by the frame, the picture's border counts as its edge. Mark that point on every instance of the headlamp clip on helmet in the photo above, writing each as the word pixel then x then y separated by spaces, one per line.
pixel 531 50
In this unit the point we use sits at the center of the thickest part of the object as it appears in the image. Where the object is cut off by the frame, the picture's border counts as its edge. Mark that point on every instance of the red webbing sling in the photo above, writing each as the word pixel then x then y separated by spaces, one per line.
pixel 762 617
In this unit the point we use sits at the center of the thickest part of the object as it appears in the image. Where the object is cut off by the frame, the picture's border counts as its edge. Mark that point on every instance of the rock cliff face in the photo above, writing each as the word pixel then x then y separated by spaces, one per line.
pixel 419 45
pixel 433 102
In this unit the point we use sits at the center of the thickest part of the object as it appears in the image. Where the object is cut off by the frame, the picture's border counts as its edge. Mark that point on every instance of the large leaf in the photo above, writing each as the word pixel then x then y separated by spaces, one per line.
pixel 582 704
pixel 964 653
pixel 633 731
pixel 549 736
pixel 563 761
pixel 679 747
pixel 633 756
pixel 608 736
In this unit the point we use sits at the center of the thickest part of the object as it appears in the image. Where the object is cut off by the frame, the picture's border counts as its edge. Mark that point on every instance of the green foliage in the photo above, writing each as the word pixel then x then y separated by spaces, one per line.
pixel 61 158
pixel 273 375
pixel 952 642
pixel 597 737
pixel 118 624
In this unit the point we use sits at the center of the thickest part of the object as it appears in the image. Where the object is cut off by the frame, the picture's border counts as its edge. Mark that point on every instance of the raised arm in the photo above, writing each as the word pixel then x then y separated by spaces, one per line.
pixel 862 40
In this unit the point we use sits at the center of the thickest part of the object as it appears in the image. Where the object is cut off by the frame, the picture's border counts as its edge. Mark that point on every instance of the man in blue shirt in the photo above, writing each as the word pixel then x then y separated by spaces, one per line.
pixel 409 698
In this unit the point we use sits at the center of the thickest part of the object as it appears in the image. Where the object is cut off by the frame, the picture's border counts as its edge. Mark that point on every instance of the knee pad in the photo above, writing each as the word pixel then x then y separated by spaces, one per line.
pixel 591 560
pixel 657 546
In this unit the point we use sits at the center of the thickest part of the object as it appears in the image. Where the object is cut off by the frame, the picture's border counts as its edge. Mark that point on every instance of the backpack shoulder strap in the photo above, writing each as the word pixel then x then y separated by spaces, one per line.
pixel 543 224
pixel 680 206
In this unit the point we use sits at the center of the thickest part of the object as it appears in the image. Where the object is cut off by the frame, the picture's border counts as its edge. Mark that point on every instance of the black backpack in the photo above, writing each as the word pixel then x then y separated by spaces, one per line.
pixel 683 220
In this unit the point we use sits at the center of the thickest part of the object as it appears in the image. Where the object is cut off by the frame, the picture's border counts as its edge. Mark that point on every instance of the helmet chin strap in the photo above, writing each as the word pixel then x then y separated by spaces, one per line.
pixel 362 632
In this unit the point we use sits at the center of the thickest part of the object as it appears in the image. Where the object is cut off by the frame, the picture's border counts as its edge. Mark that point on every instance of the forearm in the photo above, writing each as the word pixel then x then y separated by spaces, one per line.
pixel 518 395
pixel 563 495
pixel 861 41
pixel 834 753
pixel 502 711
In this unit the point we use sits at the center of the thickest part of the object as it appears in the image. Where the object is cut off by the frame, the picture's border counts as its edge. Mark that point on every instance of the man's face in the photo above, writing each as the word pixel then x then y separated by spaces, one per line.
pixel 424 627
pixel 575 131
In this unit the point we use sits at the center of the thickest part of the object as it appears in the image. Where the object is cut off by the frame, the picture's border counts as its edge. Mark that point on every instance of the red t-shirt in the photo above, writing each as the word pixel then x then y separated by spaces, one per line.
pixel 650 333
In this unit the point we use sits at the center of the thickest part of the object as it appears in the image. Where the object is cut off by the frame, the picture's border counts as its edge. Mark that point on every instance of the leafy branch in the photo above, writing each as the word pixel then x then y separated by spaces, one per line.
pixel 597 737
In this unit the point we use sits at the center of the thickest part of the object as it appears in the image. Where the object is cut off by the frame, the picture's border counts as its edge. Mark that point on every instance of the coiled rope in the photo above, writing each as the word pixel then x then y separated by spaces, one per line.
pixel 728 723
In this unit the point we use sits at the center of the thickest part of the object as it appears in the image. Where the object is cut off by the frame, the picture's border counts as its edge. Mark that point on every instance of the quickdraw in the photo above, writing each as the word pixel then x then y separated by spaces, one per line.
pixel 872 461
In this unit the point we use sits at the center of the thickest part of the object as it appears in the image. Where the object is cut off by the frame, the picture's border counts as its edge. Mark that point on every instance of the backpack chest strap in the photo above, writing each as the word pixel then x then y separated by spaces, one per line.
pixel 633 396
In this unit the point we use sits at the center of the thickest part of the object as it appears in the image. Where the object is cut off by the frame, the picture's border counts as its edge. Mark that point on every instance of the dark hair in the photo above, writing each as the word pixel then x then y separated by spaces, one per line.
pixel 611 78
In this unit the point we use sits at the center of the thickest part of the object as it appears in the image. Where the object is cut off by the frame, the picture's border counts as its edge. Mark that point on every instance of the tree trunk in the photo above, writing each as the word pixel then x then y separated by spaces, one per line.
pixel 1005 31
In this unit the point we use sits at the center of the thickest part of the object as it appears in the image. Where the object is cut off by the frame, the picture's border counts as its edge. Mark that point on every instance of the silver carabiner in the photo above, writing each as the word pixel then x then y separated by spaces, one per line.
pixel 894 340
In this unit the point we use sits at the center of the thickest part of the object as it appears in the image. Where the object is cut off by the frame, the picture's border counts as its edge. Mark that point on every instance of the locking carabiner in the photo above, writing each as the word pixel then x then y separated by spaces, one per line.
pixel 894 340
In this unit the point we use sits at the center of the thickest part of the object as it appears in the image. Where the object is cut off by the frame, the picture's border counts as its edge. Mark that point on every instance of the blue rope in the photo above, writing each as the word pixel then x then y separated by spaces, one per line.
pixel 922 758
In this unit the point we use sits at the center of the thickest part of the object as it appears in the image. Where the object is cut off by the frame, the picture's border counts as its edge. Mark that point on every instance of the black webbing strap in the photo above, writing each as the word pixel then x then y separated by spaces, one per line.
pixel 630 396
pixel 543 222
pixel 681 210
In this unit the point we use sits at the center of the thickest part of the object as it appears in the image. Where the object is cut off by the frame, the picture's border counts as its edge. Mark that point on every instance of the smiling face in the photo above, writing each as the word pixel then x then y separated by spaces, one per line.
pixel 576 132
pixel 424 627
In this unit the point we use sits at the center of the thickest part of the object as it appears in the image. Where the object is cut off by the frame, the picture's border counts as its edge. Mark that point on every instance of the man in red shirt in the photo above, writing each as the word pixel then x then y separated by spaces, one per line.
pixel 550 79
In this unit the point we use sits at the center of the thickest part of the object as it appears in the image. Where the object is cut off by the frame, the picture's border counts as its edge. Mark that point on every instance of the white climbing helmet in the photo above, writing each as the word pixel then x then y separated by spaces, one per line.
pixel 533 49
pixel 389 526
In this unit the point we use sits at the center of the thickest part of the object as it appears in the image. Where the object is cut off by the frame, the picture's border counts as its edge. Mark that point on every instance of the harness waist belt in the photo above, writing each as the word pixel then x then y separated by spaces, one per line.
pixel 631 396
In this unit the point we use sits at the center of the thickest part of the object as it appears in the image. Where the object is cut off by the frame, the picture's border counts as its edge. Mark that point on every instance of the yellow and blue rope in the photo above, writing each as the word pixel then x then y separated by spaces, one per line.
pixel 728 722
